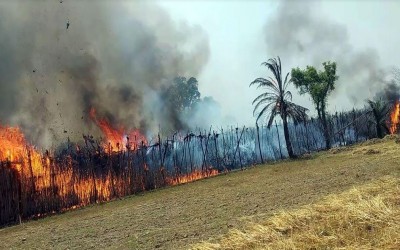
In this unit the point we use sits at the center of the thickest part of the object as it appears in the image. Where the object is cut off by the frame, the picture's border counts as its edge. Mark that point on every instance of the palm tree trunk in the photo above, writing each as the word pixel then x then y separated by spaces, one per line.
pixel 379 132
pixel 287 138
pixel 259 144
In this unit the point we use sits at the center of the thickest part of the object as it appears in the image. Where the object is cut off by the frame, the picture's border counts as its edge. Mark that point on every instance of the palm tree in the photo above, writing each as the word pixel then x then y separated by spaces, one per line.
pixel 379 111
pixel 277 99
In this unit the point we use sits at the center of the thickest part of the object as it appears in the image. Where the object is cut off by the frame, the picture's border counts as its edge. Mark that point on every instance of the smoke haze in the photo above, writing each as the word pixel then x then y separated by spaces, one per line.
pixel 118 57
pixel 112 57
pixel 301 35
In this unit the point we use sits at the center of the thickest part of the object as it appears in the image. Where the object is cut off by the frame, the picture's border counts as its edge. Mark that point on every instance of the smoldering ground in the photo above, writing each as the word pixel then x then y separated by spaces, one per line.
pixel 59 60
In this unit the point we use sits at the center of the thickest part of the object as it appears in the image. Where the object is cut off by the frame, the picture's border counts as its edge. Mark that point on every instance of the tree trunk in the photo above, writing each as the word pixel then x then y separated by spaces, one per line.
pixel 279 140
pixel 379 131
pixel 326 128
pixel 259 144
pixel 287 138
pixel 319 112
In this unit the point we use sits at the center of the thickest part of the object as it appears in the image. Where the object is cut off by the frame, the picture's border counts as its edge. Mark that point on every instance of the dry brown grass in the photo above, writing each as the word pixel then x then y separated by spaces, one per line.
pixel 176 217
pixel 366 217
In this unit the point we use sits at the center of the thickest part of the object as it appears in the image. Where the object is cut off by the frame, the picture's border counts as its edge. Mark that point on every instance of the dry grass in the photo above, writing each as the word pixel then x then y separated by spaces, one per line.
pixel 176 217
pixel 366 217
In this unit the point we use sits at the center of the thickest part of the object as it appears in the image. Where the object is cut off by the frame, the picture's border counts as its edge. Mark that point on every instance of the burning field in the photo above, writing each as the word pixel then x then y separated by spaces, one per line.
pixel 77 120
pixel 207 210
pixel 35 183
pixel 395 118
pixel 101 101
pixel 121 162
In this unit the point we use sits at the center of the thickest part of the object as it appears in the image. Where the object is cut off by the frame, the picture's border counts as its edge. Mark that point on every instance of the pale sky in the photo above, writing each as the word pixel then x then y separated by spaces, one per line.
pixel 237 44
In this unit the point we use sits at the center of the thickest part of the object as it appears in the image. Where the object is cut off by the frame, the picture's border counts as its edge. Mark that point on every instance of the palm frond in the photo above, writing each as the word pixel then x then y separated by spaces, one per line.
pixel 379 109
pixel 262 82
pixel 288 96
pixel 264 95
pixel 296 112
pixel 262 112
pixel 260 103
pixel 277 99
pixel 272 66
pixel 287 81
pixel 274 112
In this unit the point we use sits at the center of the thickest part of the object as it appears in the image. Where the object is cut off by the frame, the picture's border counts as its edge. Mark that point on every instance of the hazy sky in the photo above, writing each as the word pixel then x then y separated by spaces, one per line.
pixel 119 57
pixel 236 31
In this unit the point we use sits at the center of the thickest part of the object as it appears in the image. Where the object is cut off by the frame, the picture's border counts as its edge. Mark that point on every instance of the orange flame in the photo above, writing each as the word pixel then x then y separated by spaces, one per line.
pixel 41 172
pixel 14 148
pixel 12 143
pixel 195 175
pixel 116 138
pixel 44 176
pixel 395 118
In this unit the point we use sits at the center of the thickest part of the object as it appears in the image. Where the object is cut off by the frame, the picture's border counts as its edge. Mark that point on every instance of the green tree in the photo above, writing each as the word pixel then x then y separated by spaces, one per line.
pixel 379 110
pixel 318 84
pixel 179 101
pixel 183 94
pixel 277 100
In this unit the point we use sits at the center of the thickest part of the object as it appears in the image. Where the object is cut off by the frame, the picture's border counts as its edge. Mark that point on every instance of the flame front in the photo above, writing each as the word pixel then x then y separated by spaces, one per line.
pixel 49 184
pixel 14 148
pixel 116 139
pixel 12 143
pixel 395 118
pixel 40 173
pixel 193 176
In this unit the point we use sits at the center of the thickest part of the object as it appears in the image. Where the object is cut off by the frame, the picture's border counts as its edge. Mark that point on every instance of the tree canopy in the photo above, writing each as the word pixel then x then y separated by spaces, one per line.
pixel 319 84
pixel 183 94
pixel 277 99
pixel 379 110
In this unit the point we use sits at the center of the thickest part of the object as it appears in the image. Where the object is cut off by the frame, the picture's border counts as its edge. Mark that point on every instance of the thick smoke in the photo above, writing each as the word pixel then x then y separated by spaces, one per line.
pixel 392 90
pixel 390 93
pixel 114 57
pixel 302 36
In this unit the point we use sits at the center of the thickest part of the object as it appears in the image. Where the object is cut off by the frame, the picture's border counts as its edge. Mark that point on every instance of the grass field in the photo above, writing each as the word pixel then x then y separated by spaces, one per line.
pixel 365 217
pixel 225 211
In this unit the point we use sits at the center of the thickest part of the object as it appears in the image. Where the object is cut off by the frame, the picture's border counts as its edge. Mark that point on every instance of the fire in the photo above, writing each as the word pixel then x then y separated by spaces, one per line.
pixel 12 143
pixel 14 148
pixel 41 173
pixel 49 185
pixel 193 176
pixel 395 118
pixel 116 139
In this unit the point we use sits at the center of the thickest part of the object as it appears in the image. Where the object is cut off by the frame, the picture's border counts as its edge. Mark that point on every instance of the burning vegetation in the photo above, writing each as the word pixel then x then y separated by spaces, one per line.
pixel 118 95
pixel 117 139
pixel 123 162
pixel 395 118
pixel 35 184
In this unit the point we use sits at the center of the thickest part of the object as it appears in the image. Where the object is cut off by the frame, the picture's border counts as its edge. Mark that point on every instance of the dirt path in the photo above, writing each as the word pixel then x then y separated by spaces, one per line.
pixel 173 218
